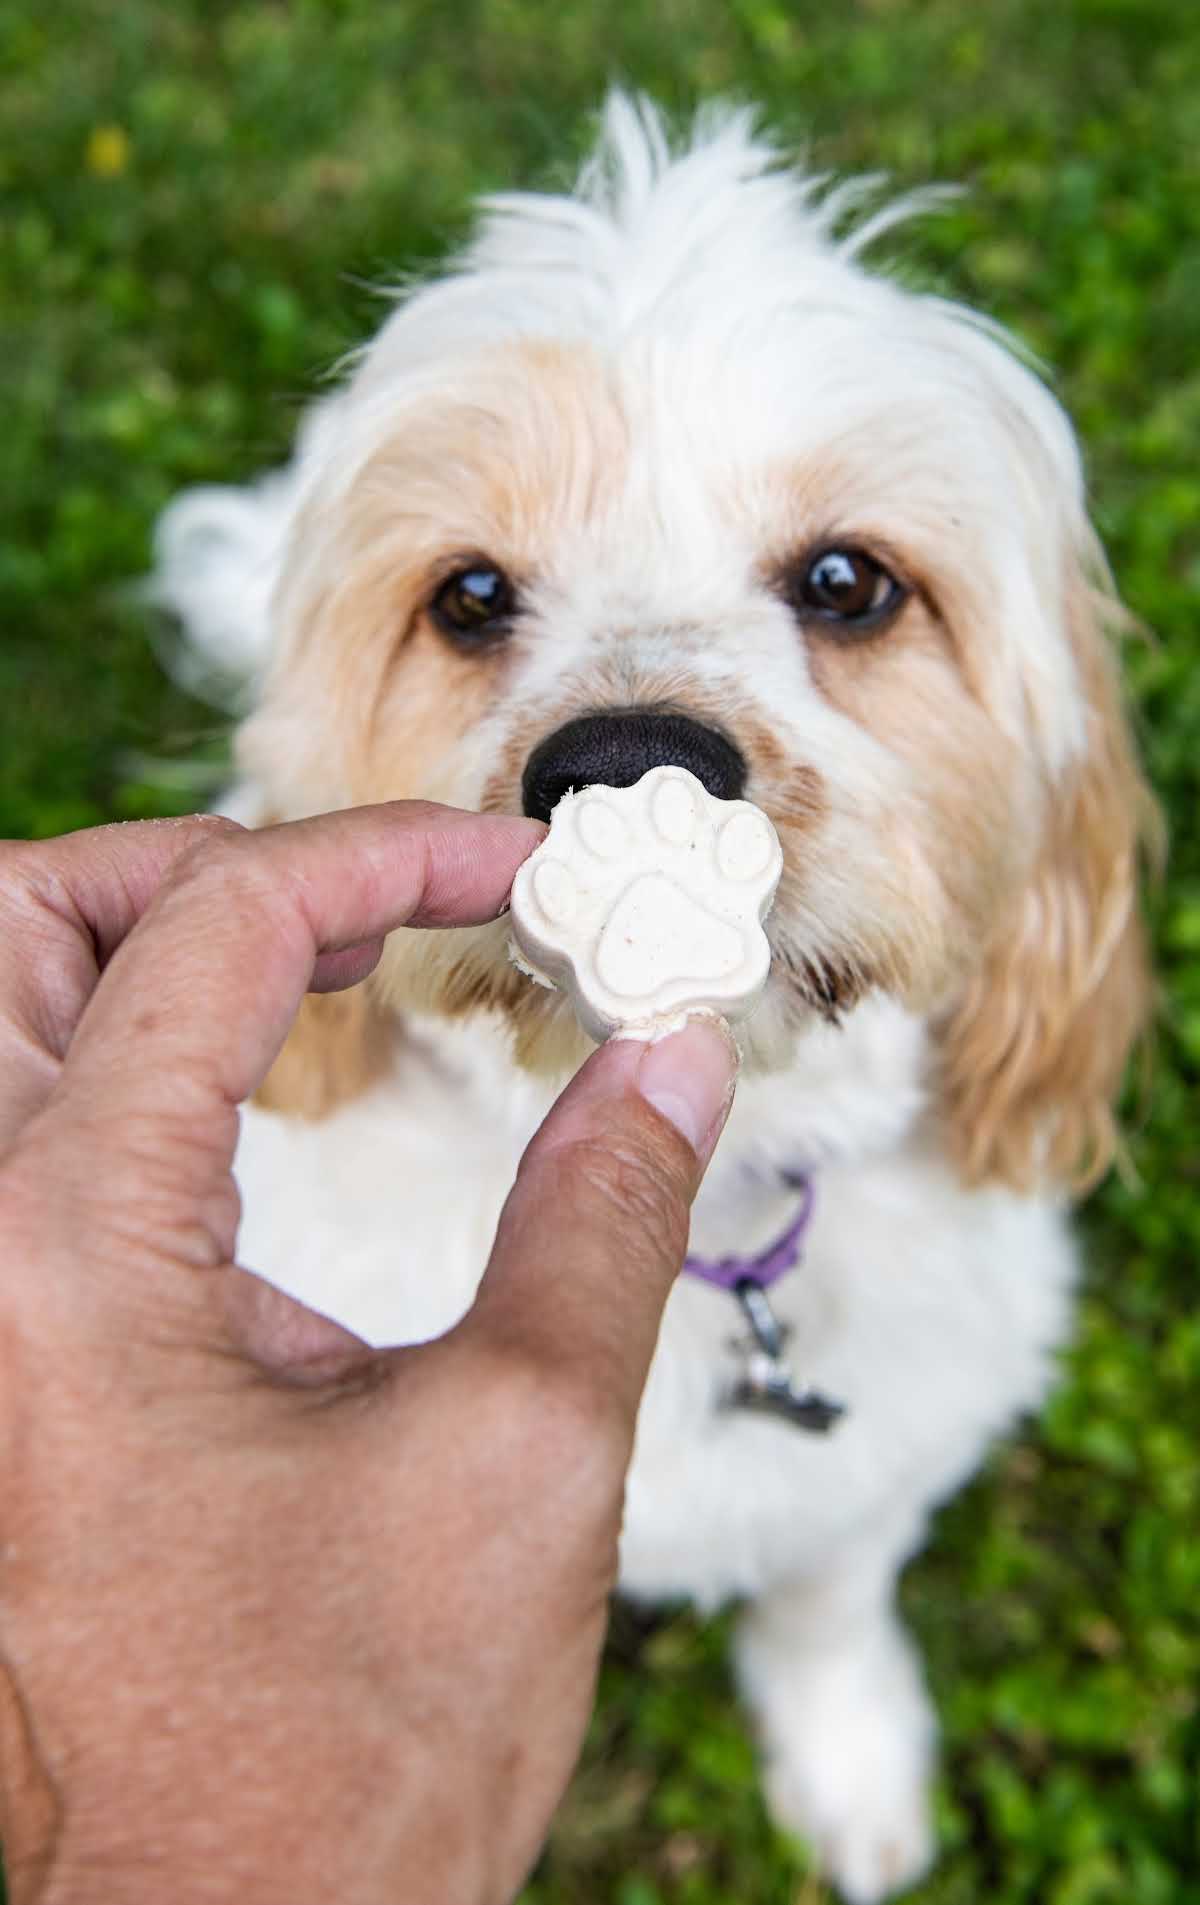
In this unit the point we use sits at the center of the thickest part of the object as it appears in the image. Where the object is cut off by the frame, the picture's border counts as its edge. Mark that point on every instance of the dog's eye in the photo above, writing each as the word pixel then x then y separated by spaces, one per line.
pixel 845 587
pixel 474 603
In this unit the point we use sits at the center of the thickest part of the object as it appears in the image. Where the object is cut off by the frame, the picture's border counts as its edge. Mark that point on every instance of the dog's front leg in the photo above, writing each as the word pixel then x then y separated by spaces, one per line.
pixel 846 1726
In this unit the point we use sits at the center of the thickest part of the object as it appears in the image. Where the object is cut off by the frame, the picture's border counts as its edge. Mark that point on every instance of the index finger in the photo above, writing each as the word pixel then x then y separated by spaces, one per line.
pixel 197 1000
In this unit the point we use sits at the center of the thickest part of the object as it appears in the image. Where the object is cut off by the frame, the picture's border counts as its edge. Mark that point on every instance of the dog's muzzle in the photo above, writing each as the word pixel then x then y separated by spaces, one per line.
pixel 616 748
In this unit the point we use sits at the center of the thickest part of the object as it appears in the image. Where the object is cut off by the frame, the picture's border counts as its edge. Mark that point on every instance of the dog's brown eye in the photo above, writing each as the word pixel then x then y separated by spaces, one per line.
pixel 846 587
pixel 474 603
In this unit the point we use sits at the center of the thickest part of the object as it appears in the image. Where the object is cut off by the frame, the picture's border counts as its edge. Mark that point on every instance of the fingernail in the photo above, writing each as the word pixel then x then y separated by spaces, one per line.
pixel 689 1077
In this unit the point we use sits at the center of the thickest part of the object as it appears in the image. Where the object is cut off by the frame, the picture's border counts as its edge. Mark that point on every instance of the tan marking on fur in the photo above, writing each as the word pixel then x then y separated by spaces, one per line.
pixel 905 687
pixel 474 985
pixel 502 794
pixel 550 459
pixel 459 973
pixel 365 699
pixel 547 455
pixel 1039 911
pixel 1033 1054
pixel 547 1038
pixel 945 857
pixel 430 701
pixel 567 459
pixel 846 670
pixel 341 1044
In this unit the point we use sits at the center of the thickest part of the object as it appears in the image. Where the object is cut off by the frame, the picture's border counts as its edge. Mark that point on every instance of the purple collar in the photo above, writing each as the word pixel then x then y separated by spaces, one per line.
pixel 766 1384
pixel 726 1273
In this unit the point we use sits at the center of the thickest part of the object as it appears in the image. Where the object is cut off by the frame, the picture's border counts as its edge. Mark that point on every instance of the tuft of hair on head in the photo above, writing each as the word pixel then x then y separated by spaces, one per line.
pixel 651 207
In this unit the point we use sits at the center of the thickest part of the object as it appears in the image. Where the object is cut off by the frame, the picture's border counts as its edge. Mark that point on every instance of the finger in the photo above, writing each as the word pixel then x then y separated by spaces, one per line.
pixel 100 880
pixel 196 1002
pixel 65 905
pixel 335 971
pixel 595 1228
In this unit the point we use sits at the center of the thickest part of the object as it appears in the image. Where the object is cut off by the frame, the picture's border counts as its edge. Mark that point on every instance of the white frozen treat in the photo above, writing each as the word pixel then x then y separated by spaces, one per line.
pixel 647 902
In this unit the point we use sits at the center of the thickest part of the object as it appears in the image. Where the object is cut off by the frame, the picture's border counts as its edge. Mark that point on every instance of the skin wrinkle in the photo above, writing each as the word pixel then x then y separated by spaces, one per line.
pixel 31 1819
pixel 46 1013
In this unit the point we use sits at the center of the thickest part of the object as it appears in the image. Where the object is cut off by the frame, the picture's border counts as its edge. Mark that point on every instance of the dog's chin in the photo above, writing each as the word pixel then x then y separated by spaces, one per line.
pixel 467 973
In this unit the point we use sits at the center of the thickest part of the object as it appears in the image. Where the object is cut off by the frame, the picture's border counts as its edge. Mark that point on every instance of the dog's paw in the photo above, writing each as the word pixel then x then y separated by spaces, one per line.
pixel 646 902
pixel 848 1746
pixel 870 1844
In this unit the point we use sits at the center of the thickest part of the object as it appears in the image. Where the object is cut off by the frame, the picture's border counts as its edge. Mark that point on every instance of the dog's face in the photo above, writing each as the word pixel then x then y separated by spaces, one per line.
pixel 704 491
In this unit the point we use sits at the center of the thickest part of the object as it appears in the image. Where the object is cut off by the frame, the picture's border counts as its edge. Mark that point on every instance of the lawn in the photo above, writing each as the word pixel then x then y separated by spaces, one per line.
pixel 196 199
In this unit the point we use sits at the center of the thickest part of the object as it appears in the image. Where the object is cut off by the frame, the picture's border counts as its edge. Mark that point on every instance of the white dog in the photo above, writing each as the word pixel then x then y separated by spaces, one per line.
pixel 659 472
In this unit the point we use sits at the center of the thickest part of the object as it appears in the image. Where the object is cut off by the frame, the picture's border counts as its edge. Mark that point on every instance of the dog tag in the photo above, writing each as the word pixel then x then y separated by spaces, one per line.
pixel 766 1384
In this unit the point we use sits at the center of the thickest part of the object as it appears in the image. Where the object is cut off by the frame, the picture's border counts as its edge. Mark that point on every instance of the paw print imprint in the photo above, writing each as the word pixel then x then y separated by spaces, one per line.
pixel 646 901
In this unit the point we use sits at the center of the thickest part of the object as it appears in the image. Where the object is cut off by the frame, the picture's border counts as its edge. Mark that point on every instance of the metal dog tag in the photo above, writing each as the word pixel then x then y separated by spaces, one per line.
pixel 766 1383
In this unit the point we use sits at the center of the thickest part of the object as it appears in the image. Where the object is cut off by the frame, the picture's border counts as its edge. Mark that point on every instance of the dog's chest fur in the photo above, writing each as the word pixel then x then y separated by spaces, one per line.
pixel 931 1311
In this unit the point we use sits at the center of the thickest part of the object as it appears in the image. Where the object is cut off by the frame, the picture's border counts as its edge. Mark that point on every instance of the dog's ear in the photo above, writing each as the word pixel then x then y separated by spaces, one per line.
pixel 1032 1056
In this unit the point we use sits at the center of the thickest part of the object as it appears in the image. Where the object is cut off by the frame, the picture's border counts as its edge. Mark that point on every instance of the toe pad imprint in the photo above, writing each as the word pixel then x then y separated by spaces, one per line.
pixel 645 902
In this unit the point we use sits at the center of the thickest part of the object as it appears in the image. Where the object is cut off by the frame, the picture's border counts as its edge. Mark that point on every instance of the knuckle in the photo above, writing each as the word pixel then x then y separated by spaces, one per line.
pixel 30 884
pixel 17 855
pixel 212 829
pixel 219 844
pixel 227 862
pixel 23 865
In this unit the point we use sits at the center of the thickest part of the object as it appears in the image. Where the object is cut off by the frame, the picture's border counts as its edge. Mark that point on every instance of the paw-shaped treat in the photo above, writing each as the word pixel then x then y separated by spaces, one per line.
pixel 647 902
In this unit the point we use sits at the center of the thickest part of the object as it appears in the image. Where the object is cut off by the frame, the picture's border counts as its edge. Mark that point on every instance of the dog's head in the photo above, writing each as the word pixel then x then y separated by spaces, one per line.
pixel 661 473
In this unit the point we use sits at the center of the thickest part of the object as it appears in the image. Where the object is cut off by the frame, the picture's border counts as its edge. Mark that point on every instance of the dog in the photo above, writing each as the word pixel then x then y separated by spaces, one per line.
pixel 662 472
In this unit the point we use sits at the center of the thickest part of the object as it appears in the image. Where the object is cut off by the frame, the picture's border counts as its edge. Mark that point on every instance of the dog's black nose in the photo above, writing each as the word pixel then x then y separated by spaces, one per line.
pixel 616 748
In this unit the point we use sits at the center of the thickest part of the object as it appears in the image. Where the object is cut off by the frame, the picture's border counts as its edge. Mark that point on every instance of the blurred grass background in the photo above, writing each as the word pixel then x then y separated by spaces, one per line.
pixel 194 200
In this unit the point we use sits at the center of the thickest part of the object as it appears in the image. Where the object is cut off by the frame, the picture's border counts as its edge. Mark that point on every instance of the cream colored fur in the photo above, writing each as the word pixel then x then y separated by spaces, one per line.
pixel 644 402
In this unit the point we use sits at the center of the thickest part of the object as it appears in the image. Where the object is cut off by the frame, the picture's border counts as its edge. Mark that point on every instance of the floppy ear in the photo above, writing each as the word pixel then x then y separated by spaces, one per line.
pixel 1032 1056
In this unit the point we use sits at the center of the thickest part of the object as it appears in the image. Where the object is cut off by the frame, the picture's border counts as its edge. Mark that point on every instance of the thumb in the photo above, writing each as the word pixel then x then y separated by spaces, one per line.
pixel 595 1228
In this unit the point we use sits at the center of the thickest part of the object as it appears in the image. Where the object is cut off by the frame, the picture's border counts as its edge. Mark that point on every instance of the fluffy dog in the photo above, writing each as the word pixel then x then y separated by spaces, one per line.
pixel 659 471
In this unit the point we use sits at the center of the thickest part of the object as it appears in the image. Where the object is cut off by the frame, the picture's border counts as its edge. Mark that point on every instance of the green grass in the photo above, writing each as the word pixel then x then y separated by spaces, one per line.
pixel 194 197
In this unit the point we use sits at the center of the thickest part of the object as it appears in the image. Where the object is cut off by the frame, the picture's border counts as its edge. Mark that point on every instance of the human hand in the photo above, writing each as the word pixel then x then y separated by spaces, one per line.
pixel 281 1616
